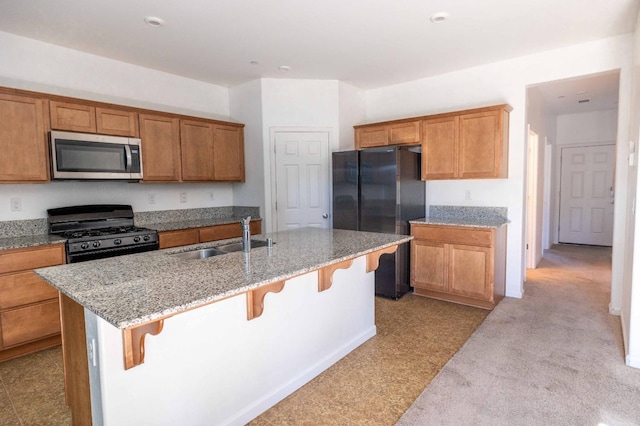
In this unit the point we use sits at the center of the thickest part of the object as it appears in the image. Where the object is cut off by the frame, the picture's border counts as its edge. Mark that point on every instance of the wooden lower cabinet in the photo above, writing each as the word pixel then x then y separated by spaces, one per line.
pixel 29 309
pixel 459 264
pixel 185 237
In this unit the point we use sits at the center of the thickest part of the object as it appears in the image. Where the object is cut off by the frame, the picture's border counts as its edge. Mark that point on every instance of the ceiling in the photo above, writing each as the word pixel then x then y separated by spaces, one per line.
pixel 366 43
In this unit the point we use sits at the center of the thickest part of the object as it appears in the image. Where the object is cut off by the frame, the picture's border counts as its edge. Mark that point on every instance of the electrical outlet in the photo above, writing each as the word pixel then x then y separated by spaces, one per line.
pixel 467 195
pixel 183 197
pixel 211 196
pixel 16 204
pixel 151 198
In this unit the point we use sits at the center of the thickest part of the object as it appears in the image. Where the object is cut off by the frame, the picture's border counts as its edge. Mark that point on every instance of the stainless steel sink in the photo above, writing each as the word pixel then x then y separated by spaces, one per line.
pixel 218 250
pixel 200 254
pixel 231 247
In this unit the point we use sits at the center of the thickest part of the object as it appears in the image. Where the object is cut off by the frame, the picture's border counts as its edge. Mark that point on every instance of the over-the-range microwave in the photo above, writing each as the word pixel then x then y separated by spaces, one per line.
pixel 85 156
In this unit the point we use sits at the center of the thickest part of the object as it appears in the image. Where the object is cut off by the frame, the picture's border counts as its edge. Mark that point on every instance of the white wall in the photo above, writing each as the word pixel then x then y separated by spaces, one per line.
pixel 34 65
pixel 630 309
pixel 246 106
pixel 541 123
pixel 587 128
pixel 499 82
pixel 351 112
pixel 296 104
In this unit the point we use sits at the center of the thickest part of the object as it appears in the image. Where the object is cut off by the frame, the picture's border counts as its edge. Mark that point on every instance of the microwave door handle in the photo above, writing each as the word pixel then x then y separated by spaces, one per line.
pixel 127 150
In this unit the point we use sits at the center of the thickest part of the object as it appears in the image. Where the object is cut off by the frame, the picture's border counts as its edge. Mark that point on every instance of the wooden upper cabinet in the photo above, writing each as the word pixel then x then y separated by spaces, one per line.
pixel 72 117
pixel 23 139
pixel 406 133
pixel 228 153
pixel 160 137
pixel 369 137
pixel 90 119
pixel 378 135
pixel 483 145
pixel 196 140
pixel 471 144
pixel 440 148
pixel 117 122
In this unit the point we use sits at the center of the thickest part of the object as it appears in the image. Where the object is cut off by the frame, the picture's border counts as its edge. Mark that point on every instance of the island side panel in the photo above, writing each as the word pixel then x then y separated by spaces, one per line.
pixel 213 366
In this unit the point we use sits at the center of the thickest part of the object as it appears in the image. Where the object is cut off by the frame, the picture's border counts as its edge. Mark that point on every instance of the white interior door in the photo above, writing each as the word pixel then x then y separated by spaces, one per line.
pixel 302 180
pixel 586 195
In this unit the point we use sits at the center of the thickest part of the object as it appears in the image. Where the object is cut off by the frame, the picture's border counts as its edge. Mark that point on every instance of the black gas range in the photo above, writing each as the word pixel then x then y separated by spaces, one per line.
pixel 100 230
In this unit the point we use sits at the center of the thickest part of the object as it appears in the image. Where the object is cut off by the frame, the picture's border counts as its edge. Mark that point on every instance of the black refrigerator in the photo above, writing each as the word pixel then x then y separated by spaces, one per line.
pixel 379 190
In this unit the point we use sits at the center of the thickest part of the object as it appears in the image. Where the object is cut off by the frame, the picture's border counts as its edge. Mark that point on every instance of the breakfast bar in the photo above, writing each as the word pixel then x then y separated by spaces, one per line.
pixel 164 338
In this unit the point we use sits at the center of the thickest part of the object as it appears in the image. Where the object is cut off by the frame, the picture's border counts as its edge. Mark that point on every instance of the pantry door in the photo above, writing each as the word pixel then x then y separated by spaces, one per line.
pixel 302 180
pixel 586 195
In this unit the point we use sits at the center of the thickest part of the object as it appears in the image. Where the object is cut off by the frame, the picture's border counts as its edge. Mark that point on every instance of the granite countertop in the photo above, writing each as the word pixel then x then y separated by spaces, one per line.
pixel 134 289
pixel 470 222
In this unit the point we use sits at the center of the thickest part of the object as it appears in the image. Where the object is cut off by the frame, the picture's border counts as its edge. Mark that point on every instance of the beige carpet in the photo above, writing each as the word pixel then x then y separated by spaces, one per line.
pixel 554 357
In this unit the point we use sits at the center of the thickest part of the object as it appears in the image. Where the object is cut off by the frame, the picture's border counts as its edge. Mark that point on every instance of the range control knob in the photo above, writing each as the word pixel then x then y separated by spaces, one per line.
pixel 84 246
pixel 96 244
pixel 136 239
pixel 146 238
pixel 117 241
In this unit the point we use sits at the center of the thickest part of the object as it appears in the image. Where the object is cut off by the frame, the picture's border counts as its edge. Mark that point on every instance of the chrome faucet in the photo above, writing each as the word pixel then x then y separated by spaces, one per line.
pixel 246 234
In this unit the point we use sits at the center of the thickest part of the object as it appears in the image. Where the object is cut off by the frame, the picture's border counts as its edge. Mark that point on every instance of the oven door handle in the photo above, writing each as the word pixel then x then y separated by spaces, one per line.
pixel 127 150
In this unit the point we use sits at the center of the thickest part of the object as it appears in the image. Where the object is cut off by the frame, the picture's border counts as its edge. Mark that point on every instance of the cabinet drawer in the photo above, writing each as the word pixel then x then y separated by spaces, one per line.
pixel 178 238
pixel 24 288
pixel 30 323
pixel 220 232
pixel 453 235
pixel 25 259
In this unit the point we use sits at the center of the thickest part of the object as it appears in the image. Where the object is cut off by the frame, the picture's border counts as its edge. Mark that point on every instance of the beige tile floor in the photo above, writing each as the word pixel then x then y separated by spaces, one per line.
pixel 373 385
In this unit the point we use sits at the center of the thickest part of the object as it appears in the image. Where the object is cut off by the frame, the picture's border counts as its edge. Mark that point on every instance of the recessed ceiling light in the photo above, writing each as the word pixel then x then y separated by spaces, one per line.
pixel 436 18
pixel 153 21
pixel 284 68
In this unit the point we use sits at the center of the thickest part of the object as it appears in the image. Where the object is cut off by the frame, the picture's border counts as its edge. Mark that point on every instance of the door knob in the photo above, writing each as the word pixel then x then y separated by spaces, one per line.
pixel 325 215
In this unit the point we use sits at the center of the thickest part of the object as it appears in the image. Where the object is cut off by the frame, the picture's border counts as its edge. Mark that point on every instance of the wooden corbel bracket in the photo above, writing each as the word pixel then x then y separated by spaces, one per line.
pixel 255 298
pixel 373 258
pixel 133 341
pixel 325 275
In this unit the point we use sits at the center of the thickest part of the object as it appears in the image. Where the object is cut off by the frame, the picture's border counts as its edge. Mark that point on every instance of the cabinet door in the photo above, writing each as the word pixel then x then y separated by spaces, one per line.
pixel 228 153
pixel 470 271
pixel 23 140
pixel 440 148
pixel 117 122
pixel 160 137
pixel 428 265
pixel 196 140
pixel 183 237
pixel 368 137
pixel 32 322
pixel 72 117
pixel 481 145
pixel 404 133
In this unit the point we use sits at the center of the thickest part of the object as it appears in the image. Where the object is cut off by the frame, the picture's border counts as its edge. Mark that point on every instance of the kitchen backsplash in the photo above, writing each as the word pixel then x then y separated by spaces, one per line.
pixel 28 227
pixel 23 228
pixel 468 212
pixel 166 216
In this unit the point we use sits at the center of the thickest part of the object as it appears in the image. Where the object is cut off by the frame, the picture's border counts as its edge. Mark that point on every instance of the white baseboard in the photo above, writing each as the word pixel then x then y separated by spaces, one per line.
pixel 300 380
pixel 632 361
pixel 614 311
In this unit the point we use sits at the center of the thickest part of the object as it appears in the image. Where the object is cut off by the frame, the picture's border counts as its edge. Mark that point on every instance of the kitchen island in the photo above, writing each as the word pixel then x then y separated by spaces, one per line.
pixel 153 338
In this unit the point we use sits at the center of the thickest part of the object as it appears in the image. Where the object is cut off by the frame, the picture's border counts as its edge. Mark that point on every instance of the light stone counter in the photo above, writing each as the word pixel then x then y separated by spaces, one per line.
pixel 448 221
pixel 29 241
pixel 135 289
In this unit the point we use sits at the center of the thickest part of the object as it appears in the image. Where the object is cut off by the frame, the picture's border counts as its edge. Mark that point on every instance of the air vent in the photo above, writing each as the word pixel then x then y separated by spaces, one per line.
pixel 584 101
